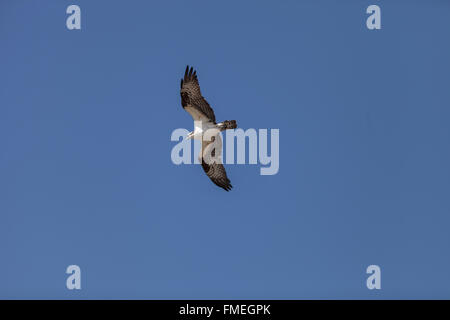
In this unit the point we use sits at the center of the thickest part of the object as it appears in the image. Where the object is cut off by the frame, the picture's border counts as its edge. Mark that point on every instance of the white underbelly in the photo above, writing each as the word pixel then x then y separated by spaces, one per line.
pixel 199 130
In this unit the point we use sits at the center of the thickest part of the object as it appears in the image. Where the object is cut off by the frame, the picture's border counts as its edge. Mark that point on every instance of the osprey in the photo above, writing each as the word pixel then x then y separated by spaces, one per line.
pixel 204 119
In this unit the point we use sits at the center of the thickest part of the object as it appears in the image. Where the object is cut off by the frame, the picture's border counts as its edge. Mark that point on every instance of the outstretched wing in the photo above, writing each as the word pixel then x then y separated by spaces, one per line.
pixel 214 170
pixel 192 99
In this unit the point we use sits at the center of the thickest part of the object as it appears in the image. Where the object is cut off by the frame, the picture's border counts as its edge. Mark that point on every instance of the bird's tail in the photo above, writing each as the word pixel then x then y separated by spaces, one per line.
pixel 227 124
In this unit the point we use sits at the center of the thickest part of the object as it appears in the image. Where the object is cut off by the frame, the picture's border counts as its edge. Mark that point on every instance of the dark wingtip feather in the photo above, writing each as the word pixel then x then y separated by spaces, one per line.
pixel 190 74
pixel 227 187
pixel 186 73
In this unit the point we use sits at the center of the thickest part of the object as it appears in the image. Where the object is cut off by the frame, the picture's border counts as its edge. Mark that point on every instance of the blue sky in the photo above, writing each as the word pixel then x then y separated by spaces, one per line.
pixel 86 176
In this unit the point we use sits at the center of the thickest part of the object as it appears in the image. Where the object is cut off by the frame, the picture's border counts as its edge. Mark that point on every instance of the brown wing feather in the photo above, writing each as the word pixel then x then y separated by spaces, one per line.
pixel 191 95
pixel 215 171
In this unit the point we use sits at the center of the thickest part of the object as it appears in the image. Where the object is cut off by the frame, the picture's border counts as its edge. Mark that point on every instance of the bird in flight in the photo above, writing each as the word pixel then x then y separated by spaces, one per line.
pixel 204 119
